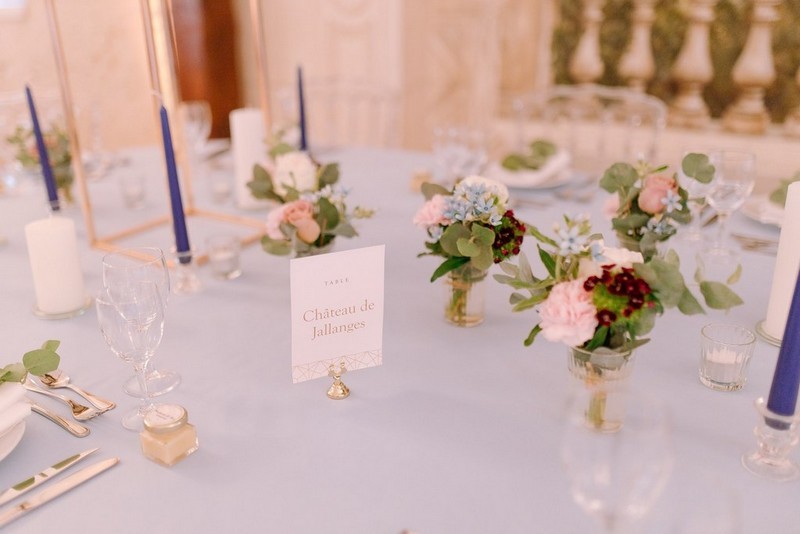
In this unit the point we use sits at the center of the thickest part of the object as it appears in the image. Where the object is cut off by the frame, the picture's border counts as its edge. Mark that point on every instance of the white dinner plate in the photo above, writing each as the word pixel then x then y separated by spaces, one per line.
pixel 10 438
pixel 556 172
pixel 760 209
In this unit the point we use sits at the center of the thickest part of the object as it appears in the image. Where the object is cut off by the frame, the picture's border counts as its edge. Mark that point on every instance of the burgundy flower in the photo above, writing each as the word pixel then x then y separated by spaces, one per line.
pixel 606 317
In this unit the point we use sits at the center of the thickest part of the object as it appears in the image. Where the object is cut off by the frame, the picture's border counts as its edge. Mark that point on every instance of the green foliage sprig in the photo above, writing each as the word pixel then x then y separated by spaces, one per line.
pixel 36 362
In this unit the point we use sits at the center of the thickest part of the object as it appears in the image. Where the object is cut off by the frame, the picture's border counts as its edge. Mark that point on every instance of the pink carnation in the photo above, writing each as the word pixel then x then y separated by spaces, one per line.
pixel 274 220
pixel 431 213
pixel 568 315
pixel 655 188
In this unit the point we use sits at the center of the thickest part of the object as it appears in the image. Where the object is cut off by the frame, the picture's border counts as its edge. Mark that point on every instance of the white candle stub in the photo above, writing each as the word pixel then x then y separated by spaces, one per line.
pixel 55 265
pixel 787 263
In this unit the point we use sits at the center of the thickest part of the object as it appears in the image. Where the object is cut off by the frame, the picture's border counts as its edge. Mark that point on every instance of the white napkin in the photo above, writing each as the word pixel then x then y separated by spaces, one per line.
pixel 13 408
pixel 553 172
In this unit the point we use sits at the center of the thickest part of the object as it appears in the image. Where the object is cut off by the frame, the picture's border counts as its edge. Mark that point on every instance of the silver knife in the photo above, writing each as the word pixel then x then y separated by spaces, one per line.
pixel 28 484
pixel 55 489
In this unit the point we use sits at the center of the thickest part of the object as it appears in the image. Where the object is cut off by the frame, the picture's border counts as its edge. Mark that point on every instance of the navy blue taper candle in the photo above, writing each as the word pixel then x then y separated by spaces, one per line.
pixel 44 159
pixel 786 380
pixel 301 110
pixel 178 217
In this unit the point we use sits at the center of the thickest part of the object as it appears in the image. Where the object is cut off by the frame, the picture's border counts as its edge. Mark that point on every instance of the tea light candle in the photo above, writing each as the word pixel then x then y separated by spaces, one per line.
pixel 55 265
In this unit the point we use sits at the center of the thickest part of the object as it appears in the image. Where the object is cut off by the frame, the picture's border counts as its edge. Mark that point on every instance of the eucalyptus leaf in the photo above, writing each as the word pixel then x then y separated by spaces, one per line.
pixel 276 247
pixel 13 372
pixel 482 234
pixel 51 344
pixel 513 162
pixel 718 296
pixel 699 167
pixel 345 229
pixel 280 149
pixel 468 247
pixel 450 237
pixel 328 174
pixel 619 176
pixel 484 259
pixel 735 276
pixel 328 217
pixel 688 304
pixel 40 361
pixel 429 190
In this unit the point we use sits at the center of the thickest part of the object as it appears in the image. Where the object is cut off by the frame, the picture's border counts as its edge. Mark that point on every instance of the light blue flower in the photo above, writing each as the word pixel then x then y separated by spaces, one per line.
pixel 656 226
pixel 496 218
pixel 596 250
pixel 435 232
pixel 672 201
pixel 482 205
pixel 571 241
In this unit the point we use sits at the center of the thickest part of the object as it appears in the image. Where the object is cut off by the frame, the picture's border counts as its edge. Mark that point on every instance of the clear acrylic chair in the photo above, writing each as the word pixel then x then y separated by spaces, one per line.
pixel 598 125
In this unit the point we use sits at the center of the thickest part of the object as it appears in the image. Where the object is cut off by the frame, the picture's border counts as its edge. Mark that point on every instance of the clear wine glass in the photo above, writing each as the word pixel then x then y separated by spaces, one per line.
pixel 734 178
pixel 459 152
pixel 693 232
pixel 616 477
pixel 196 116
pixel 142 264
pixel 131 319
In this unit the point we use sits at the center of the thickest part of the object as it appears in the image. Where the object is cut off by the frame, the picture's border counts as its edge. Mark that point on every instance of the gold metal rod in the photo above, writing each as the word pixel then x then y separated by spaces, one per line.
pixel 69 118
pixel 259 42
pixel 138 228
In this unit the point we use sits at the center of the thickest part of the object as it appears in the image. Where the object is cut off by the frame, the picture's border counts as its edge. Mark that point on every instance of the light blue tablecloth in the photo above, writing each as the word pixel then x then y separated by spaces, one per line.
pixel 457 432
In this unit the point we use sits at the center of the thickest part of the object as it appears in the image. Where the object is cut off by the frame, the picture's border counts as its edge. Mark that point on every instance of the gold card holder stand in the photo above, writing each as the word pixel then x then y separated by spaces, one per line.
pixel 338 389
pixel 159 36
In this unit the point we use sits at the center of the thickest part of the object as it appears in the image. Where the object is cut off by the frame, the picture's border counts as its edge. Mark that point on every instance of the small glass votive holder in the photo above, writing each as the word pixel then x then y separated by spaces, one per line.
pixel 131 185
pixel 185 278
pixel 223 256
pixel 725 352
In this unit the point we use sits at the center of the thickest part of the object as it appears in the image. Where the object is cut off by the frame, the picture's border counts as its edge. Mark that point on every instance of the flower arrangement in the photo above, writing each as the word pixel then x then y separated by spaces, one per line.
pixel 57 144
pixel 595 296
pixel 470 225
pixel 312 210
pixel 649 203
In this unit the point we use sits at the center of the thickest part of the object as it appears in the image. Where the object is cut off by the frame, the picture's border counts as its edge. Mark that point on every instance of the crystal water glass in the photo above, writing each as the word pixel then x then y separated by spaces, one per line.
pixel 734 179
pixel 131 319
pixel 140 264
pixel 616 477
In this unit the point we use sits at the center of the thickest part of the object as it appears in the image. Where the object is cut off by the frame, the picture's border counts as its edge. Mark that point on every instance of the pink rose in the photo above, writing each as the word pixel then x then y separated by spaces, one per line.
pixel 300 214
pixel 568 315
pixel 655 188
pixel 431 213
pixel 274 220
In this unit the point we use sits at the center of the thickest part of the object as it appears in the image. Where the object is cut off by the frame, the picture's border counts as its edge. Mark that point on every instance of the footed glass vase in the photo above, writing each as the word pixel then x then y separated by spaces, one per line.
pixel 465 296
pixel 601 377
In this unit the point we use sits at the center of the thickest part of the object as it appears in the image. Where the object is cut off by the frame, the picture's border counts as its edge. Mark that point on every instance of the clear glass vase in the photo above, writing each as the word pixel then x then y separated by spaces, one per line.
pixel 465 296
pixel 303 250
pixel 601 378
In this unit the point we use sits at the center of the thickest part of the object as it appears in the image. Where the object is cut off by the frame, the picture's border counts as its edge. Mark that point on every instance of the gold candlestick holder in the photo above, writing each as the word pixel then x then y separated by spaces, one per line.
pixel 338 389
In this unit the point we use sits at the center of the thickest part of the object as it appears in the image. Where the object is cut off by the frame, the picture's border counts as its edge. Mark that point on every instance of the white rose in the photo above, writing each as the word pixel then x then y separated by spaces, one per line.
pixel 603 255
pixel 294 169
pixel 493 186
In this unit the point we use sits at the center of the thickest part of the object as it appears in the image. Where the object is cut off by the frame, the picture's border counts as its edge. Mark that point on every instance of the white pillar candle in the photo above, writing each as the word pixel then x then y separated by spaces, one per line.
pixel 56 269
pixel 248 148
pixel 787 263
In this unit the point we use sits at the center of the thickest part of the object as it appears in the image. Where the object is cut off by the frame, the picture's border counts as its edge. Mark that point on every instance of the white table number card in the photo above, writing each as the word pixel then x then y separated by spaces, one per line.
pixel 337 311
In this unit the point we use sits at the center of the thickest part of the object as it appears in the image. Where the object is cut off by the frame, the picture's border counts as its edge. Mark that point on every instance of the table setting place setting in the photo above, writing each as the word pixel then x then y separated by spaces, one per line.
pixel 602 267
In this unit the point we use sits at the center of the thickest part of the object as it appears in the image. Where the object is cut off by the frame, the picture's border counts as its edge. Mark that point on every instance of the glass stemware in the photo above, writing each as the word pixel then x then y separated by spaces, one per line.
pixel 617 477
pixel 459 152
pixel 734 178
pixel 197 123
pixel 131 319
pixel 142 264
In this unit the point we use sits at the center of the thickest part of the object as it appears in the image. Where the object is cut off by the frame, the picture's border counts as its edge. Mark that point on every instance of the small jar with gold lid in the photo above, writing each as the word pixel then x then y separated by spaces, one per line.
pixel 168 437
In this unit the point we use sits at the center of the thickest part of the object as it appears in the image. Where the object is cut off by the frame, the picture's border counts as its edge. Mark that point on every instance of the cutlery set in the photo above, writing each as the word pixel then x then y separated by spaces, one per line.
pixel 80 412
pixel 757 244
pixel 53 490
